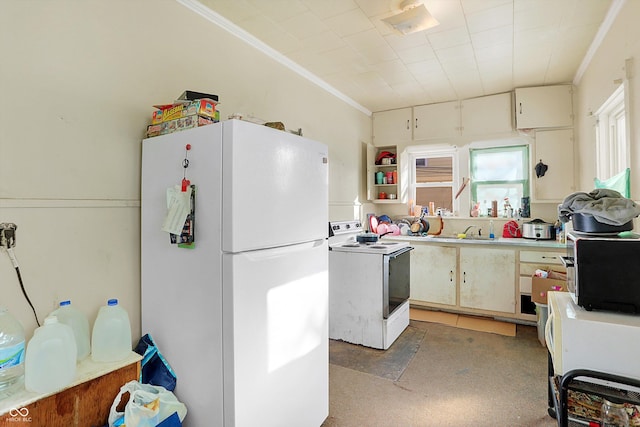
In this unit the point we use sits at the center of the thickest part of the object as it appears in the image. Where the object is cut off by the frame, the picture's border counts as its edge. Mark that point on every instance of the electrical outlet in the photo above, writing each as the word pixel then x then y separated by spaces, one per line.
pixel 7 235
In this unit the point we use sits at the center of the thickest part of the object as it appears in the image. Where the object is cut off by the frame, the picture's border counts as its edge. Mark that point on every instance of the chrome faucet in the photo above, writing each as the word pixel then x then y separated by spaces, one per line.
pixel 470 227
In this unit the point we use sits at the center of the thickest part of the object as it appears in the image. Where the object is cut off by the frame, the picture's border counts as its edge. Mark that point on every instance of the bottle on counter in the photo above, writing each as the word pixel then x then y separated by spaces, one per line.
pixel 50 362
pixel 12 346
pixel 69 315
pixel 491 234
pixel 111 338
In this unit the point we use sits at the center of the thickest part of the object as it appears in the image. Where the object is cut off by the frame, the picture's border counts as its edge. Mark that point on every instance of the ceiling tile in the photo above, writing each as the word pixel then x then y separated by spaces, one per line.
pixel 372 46
pixel 487 19
pixel 473 6
pixel 449 38
pixel 493 37
pixel 279 10
pixel 351 22
pixel 304 25
pixel 416 54
pixel 327 8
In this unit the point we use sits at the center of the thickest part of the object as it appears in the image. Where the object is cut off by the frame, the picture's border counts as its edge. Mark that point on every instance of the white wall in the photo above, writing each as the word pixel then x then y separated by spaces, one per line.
pixel 598 83
pixel 78 81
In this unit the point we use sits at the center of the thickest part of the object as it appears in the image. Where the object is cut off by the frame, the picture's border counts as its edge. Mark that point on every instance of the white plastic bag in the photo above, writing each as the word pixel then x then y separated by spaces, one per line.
pixel 148 406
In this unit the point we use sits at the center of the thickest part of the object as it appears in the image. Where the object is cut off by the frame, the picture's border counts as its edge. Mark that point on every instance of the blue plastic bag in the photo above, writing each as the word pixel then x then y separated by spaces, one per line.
pixel 155 369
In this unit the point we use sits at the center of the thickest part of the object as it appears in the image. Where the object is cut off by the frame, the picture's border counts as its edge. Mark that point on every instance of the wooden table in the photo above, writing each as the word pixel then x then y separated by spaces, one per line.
pixel 84 403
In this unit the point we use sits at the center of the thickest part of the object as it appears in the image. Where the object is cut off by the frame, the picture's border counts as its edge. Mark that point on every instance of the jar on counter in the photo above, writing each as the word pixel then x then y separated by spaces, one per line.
pixel 614 414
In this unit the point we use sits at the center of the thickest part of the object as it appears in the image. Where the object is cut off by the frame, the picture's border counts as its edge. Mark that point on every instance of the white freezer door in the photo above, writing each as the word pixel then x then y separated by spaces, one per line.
pixel 275 323
pixel 275 188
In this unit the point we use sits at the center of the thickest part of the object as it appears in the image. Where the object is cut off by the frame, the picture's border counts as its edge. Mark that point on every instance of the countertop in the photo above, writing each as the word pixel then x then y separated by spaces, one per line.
pixel 500 241
pixel 87 370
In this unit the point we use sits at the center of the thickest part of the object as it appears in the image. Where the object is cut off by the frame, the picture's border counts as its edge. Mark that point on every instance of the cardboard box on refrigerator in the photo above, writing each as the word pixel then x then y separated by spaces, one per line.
pixel 540 286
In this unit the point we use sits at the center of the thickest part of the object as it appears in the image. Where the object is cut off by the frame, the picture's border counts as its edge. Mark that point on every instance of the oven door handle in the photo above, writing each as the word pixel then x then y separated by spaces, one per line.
pixel 548 334
pixel 567 261
pixel 400 252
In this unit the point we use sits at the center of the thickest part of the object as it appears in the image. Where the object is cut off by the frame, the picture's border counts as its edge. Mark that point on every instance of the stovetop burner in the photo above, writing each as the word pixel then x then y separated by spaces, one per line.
pixel 374 248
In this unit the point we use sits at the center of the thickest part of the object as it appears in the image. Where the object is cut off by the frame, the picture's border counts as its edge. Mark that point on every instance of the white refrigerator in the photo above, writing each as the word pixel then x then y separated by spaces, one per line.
pixel 242 317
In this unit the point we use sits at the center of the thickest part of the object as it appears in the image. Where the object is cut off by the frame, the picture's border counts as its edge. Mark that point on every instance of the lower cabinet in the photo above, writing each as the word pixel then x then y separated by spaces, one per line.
pixel 433 274
pixel 487 278
pixel 475 280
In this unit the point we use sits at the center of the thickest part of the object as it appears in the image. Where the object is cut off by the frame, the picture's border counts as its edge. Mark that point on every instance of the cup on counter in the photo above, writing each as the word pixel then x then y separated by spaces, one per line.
pixel 392 196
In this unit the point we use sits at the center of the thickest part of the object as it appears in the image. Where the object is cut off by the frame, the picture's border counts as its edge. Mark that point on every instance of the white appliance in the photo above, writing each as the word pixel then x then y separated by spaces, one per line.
pixel 597 340
pixel 243 316
pixel 369 287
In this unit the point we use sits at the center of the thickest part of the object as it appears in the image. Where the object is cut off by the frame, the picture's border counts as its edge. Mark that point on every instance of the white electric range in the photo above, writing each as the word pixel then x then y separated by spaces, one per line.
pixel 368 287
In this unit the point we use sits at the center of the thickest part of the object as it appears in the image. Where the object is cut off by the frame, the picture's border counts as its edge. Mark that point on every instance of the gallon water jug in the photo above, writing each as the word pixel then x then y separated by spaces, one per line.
pixel 11 351
pixel 50 363
pixel 69 315
pixel 111 338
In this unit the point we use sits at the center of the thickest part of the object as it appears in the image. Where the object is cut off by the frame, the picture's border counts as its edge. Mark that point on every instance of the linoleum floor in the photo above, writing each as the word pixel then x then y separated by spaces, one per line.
pixel 440 375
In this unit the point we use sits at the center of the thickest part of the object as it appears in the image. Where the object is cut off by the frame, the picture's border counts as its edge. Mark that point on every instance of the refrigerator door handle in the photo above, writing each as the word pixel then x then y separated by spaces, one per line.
pixel 280 250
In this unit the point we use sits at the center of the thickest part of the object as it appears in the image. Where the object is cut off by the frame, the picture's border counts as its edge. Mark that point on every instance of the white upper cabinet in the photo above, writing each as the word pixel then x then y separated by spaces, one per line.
pixel 434 121
pixel 555 149
pixel 487 115
pixel 392 127
pixel 544 107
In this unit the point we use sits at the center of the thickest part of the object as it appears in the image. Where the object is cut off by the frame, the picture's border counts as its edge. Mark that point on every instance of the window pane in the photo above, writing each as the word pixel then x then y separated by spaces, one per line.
pixel 498 166
pixel 488 192
pixel 440 196
pixel 434 169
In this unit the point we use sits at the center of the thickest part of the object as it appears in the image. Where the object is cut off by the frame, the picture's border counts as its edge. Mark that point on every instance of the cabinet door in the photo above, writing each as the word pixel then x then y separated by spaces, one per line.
pixel 543 107
pixel 486 115
pixel 391 127
pixel 436 120
pixel 488 279
pixel 555 149
pixel 433 274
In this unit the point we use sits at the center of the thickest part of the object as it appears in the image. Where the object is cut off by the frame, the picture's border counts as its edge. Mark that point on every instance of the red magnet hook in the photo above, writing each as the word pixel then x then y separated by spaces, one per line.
pixel 185 165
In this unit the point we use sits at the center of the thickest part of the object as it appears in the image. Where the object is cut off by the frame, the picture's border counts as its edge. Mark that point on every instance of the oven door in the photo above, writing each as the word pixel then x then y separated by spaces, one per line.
pixel 396 280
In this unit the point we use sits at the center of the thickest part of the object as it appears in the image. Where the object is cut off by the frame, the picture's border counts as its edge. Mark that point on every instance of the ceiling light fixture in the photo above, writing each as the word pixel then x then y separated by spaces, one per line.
pixel 413 18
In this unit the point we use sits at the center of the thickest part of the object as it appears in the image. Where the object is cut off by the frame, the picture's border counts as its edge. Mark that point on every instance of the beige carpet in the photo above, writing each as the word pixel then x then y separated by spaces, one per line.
pixel 473 323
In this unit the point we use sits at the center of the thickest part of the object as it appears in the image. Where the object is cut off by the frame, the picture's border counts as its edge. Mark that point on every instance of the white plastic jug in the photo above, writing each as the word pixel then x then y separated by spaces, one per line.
pixel 111 338
pixel 50 362
pixel 69 315
pixel 12 345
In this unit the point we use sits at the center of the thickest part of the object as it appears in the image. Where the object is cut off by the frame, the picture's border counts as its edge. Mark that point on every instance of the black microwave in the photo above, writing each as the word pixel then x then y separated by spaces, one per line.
pixel 603 272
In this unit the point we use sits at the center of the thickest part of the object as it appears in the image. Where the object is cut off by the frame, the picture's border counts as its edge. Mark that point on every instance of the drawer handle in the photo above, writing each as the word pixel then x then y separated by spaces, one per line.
pixel 550 257
pixel 451 275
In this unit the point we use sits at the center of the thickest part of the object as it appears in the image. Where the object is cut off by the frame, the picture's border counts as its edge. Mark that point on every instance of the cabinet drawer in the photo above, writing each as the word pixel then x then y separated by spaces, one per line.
pixel 529 269
pixel 541 257
pixel 525 284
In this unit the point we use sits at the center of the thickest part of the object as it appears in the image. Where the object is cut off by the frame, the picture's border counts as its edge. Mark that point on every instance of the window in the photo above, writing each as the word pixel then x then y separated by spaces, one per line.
pixel 499 173
pixel 433 175
pixel 612 147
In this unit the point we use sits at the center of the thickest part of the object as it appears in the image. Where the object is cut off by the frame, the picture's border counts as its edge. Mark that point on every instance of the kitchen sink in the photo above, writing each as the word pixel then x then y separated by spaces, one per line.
pixel 452 237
